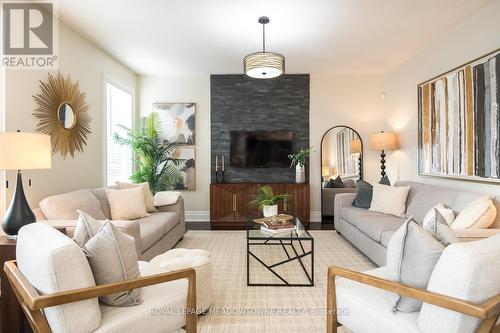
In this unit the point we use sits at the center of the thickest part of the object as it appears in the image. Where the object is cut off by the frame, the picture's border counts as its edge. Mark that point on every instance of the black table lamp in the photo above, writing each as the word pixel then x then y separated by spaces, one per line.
pixel 22 151
pixel 383 141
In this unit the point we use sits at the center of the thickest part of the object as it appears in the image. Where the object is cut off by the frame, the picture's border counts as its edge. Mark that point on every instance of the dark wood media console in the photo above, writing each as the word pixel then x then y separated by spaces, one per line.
pixel 229 202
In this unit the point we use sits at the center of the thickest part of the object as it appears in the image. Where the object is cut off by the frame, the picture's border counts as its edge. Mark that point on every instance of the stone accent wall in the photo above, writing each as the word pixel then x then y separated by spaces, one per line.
pixel 242 103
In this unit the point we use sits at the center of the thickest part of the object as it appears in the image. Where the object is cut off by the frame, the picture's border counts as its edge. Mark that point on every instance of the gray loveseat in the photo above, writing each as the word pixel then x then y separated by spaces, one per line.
pixel 370 232
pixel 153 235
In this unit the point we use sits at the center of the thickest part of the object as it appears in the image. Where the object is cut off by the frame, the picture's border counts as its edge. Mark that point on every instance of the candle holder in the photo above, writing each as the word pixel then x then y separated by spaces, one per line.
pixel 220 179
pixel 219 170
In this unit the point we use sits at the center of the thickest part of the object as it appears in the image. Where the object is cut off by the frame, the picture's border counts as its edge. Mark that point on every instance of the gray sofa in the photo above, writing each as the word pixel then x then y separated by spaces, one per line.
pixel 153 235
pixel 329 193
pixel 370 232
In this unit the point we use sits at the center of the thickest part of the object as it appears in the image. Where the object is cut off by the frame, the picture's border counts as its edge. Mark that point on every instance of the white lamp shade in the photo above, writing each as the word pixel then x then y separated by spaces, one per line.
pixel 24 151
pixel 264 65
pixel 356 146
pixel 383 141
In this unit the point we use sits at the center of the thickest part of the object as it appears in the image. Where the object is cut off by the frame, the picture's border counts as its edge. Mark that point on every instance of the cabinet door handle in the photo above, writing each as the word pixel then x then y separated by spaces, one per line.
pixel 234 202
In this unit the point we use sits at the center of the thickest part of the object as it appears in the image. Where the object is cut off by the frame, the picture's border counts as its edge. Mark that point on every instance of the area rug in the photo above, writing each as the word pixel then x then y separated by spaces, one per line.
pixel 237 308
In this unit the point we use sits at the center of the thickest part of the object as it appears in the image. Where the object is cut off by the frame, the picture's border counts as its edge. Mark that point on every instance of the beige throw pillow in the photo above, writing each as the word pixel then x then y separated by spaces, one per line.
pixel 127 204
pixel 86 228
pixel 64 206
pixel 389 199
pixel 148 196
pixel 113 258
pixel 479 214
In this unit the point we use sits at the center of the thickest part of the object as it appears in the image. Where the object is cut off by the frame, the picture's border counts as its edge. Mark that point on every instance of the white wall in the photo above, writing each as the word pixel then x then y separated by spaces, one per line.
pixel 351 100
pixel 186 89
pixel 476 35
pixel 87 64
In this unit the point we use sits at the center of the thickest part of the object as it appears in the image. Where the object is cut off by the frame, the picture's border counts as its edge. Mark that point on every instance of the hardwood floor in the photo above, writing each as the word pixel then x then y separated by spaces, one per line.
pixel 206 226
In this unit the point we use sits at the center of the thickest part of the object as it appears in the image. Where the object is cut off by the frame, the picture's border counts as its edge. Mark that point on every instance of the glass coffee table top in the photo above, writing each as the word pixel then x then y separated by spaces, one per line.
pixel 254 232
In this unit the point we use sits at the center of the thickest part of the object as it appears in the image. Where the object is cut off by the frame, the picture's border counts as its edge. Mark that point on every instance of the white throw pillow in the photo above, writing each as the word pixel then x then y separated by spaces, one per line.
pixel 447 214
pixel 479 214
pixel 439 229
pixel 148 197
pixel 412 254
pixel 113 258
pixel 165 198
pixel 127 204
pixel 389 199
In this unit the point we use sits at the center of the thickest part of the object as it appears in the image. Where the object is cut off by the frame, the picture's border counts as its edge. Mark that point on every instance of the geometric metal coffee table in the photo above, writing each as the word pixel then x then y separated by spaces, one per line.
pixel 292 242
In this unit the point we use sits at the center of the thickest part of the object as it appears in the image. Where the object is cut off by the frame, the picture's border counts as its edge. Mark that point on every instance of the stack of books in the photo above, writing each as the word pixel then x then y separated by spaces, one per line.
pixel 276 226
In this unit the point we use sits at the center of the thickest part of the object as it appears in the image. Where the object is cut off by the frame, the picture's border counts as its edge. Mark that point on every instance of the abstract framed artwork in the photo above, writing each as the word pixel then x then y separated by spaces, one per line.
pixel 187 168
pixel 178 121
pixel 459 122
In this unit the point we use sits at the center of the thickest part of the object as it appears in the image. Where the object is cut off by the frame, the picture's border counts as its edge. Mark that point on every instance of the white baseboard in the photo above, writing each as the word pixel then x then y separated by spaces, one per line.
pixel 197 216
pixel 315 216
pixel 204 216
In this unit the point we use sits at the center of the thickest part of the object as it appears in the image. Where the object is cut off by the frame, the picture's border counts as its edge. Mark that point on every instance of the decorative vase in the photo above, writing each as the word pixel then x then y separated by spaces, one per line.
pixel 300 173
pixel 270 210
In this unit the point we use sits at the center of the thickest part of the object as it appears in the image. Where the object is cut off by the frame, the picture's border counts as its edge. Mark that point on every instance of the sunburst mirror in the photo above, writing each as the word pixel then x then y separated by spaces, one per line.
pixel 63 114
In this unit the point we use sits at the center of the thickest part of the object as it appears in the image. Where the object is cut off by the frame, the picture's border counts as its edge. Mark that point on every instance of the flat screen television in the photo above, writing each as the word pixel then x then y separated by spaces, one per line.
pixel 260 149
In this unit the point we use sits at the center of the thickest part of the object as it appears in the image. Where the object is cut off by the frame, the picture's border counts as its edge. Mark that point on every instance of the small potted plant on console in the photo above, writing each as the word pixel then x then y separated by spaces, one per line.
pixel 267 201
pixel 299 160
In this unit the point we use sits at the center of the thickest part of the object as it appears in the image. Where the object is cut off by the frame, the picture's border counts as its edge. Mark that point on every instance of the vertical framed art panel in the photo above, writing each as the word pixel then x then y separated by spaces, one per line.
pixel 459 122
pixel 187 168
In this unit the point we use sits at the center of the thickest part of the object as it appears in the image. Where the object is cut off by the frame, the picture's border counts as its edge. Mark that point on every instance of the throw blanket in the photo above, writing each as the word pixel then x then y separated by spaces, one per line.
pixel 166 198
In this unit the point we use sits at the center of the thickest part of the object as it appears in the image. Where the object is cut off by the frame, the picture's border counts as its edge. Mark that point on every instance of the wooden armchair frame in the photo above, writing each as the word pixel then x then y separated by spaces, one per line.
pixel 33 303
pixel 487 311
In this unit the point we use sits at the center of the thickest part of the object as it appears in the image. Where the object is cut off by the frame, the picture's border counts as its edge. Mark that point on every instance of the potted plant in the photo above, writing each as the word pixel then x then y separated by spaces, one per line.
pixel 154 158
pixel 267 201
pixel 299 160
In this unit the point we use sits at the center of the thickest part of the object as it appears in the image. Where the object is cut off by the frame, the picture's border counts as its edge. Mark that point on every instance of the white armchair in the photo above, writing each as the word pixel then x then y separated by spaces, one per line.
pixel 463 295
pixel 54 284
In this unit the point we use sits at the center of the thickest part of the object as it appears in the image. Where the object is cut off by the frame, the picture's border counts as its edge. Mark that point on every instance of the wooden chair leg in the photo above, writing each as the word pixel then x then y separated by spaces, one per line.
pixel 331 305
pixel 488 325
pixel 191 311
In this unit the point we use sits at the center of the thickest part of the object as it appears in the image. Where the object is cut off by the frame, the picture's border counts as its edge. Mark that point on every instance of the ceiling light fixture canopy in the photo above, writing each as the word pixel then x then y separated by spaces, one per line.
pixel 264 65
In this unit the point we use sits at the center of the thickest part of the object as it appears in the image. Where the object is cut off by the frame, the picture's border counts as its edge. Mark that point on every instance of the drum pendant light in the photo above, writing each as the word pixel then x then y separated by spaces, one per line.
pixel 264 65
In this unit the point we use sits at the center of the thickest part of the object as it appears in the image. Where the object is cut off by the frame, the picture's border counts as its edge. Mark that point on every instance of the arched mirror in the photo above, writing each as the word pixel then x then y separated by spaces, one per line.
pixel 66 116
pixel 341 166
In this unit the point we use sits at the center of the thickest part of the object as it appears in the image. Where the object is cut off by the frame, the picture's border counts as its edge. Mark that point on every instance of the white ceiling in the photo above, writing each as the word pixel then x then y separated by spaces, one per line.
pixel 187 37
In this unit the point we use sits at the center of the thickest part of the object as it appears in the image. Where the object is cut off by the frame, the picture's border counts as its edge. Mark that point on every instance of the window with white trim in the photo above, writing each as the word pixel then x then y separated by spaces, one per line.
pixel 120 111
